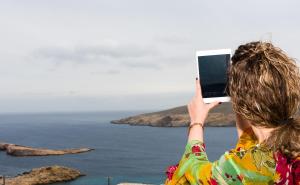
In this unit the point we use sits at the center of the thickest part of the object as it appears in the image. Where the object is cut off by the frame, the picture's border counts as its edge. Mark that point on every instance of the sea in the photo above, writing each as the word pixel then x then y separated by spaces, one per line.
pixel 123 153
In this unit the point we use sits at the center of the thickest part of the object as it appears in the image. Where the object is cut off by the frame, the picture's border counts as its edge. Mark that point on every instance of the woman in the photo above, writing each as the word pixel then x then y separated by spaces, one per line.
pixel 264 86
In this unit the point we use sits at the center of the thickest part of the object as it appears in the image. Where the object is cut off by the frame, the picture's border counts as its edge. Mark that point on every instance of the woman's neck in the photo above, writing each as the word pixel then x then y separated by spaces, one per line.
pixel 262 133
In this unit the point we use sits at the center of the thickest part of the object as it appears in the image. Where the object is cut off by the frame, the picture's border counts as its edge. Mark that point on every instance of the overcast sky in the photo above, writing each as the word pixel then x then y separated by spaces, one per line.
pixel 60 55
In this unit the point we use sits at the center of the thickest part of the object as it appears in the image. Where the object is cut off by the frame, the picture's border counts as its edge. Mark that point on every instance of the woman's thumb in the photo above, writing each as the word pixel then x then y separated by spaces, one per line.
pixel 213 104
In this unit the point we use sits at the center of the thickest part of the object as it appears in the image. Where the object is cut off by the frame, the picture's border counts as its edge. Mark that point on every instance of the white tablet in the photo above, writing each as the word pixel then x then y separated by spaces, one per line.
pixel 212 67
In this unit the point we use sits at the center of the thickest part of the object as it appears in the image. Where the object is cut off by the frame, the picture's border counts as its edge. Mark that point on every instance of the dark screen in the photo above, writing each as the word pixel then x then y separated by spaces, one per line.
pixel 213 75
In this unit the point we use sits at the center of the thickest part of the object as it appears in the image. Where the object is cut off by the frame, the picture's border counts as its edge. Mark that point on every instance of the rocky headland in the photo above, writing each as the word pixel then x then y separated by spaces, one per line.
pixel 221 116
pixel 19 150
pixel 44 175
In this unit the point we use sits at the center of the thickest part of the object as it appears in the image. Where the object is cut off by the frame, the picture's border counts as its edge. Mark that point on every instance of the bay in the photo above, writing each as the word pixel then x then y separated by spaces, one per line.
pixel 123 152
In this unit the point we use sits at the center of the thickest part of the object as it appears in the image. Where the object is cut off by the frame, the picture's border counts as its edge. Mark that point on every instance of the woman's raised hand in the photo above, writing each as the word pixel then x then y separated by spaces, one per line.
pixel 198 110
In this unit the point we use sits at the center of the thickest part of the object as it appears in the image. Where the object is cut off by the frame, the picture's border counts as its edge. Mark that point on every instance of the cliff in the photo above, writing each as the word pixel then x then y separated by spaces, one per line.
pixel 18 150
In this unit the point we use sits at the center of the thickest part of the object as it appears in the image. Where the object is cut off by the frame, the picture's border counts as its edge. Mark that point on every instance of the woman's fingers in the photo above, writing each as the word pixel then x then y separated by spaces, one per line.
pixel 213 104
pixel 198 88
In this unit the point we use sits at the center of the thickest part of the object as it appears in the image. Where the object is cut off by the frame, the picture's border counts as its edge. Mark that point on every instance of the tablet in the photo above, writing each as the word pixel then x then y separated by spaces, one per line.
pixel 212 67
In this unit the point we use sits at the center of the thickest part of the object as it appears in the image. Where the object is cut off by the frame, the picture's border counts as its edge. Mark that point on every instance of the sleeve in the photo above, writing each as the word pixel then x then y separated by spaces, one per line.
pixel 194 168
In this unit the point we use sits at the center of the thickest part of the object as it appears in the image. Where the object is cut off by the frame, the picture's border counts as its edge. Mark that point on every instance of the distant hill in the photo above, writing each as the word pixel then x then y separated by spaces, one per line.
pixel 221 116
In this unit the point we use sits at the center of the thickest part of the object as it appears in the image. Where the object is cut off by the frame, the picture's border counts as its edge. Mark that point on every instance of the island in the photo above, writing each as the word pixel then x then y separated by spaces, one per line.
pixel 220 116
pixel 43 175
pixel 19 150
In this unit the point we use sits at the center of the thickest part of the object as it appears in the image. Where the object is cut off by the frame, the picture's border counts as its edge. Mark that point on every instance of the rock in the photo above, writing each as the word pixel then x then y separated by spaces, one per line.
pixel 18 150
pixel 177 117
pixel 44 175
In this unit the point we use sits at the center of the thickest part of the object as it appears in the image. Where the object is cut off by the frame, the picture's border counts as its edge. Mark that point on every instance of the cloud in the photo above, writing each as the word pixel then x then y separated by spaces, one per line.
pixel 110 72
pixel 173 39
pixel 129 55
pixel 147 65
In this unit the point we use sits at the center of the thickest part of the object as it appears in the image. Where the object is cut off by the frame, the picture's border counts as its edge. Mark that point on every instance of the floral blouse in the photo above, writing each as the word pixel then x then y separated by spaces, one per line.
pixel 248 163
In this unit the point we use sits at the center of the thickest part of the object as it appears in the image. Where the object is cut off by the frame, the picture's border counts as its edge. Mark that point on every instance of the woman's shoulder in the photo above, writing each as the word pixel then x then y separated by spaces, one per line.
pixel 248 157
pixel 247 163
pixel 247 139
pixel 258 159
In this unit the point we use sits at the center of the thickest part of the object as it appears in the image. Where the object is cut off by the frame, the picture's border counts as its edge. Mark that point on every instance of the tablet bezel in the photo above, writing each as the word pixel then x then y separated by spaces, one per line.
pixel 209 53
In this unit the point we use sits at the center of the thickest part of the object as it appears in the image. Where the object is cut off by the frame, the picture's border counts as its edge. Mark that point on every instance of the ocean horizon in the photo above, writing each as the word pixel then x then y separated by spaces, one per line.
pixel 123 152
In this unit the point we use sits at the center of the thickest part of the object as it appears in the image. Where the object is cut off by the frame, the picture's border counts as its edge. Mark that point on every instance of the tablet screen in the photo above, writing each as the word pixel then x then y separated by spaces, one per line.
pixel 213 74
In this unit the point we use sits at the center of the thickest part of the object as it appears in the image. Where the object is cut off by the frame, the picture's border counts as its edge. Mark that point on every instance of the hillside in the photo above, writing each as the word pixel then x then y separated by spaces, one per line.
pixel 222 115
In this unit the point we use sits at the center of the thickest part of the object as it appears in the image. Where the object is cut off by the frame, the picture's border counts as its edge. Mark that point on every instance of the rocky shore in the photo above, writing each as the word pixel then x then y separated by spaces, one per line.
pixel 44 175
pixel 221 116
pixel 19 150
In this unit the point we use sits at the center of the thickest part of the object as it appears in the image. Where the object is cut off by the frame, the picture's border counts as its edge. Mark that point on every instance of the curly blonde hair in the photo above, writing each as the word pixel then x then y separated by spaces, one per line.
pixel 264 86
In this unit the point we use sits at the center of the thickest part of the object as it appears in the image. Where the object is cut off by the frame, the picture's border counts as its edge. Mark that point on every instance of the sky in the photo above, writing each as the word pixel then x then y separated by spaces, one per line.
pixel 98 55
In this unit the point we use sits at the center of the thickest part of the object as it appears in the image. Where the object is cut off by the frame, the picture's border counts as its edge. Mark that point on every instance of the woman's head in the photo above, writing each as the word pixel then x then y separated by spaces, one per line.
pixel 264 85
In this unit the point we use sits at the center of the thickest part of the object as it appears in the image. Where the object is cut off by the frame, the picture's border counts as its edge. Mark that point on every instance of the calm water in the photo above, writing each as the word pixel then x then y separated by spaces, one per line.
pixel 126 153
